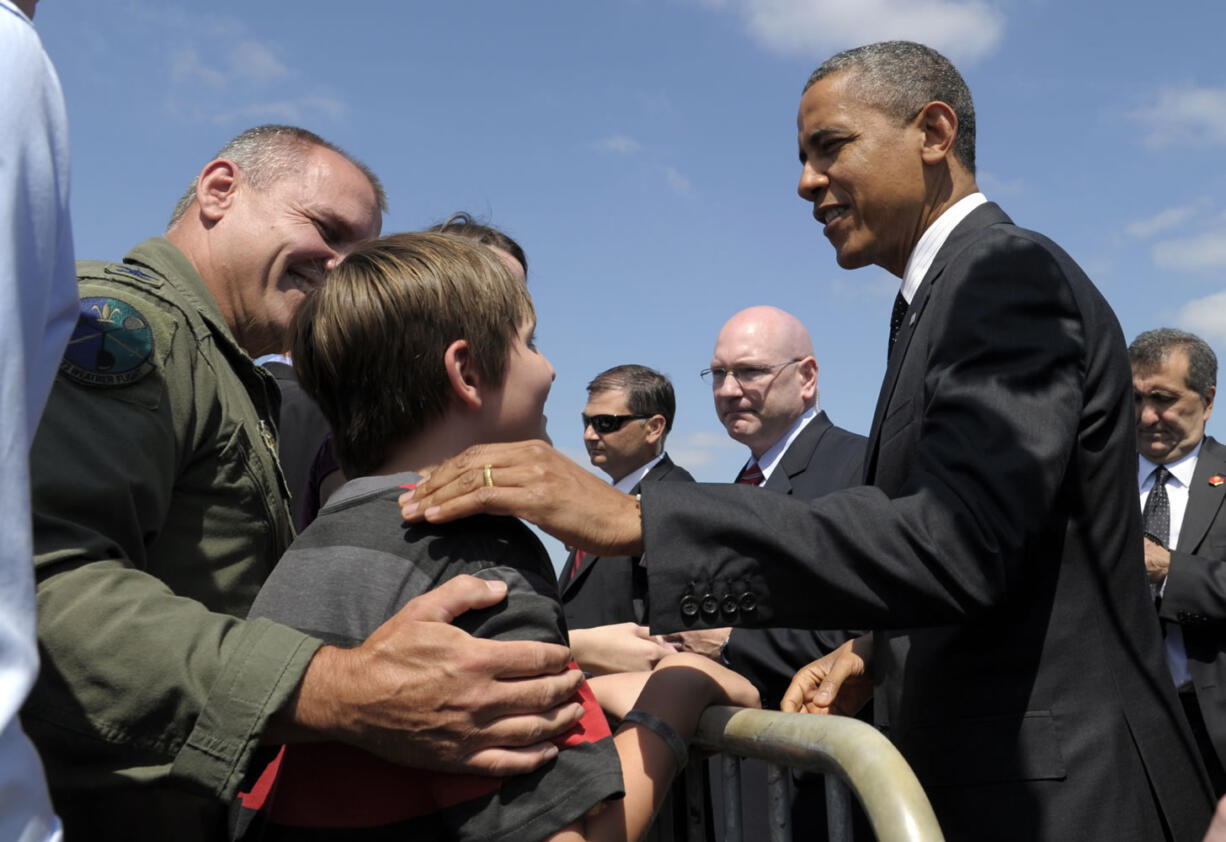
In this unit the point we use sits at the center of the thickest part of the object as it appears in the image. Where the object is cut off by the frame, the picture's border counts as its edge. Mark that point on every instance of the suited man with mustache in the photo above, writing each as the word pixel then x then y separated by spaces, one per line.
pixel 1174 375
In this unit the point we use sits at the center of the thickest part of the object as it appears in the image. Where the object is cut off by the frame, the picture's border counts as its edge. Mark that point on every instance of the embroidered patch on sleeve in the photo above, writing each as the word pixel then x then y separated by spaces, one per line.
pixel 112 344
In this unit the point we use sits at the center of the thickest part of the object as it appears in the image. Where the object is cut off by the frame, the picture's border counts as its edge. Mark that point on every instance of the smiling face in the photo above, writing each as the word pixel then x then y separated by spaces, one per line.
pixel 864 173
pixel 1170 416
pixel 519 404
pixel 272 244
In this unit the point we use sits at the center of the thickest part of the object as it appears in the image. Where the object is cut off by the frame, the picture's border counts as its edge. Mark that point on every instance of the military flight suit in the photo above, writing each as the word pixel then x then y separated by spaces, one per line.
pixel 159 510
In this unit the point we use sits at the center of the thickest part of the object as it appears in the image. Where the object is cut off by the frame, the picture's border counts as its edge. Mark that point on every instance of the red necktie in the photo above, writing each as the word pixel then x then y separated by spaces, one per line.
pixel 580 555
pixel 752 475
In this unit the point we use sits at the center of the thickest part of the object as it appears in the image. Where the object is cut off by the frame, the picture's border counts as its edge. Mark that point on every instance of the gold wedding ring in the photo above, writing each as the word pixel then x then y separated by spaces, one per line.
pixel 489 476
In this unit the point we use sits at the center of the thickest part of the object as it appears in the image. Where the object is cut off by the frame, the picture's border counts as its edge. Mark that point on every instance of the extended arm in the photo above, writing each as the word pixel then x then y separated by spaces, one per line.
pixel 618 647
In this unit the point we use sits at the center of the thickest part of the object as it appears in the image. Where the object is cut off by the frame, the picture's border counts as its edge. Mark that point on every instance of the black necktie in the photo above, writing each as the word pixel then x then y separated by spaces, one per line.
pixel 1157 514
pixel 900 311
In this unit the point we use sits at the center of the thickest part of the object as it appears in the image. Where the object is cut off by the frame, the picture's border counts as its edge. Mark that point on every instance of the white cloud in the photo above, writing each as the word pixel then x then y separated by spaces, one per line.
pixel 255 63
pixel 1205 317
pixel 710 440
pixel 698 450
pixel 186 67
pixel 295 111
pixel 679 183
pixel 329 106
pixel 874 285
pixel 619 144
pixel 994 186
pixel 249 63
pixel 1175 217
pixel 1200 253
pixel 964 30
pixel 1184 116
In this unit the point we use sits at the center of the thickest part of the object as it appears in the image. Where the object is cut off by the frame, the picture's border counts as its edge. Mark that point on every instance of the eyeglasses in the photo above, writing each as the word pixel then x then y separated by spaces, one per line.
pixel 749 376
pixel 604 424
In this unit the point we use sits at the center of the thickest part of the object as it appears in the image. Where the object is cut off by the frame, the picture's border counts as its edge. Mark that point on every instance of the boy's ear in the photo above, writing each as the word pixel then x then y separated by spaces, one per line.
pixel 461 374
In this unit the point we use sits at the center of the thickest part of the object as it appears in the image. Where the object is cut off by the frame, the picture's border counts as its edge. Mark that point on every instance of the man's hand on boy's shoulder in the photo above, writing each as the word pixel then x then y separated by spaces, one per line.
pixel 533 481
pixel 424 693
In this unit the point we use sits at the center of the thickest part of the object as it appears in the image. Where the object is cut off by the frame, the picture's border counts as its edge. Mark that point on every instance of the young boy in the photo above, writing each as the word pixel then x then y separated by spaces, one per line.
pixel 418 346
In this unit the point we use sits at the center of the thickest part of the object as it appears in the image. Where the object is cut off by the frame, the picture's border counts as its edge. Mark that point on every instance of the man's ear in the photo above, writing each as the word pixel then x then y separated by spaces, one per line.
pixel 216 188
pixel 939 124
pixel 807 368
pixel 1209 402
pixel 655 428
pixel 464 380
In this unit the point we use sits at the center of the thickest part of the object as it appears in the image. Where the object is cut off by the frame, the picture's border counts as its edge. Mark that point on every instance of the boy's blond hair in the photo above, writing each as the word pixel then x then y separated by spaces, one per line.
pixel 368 345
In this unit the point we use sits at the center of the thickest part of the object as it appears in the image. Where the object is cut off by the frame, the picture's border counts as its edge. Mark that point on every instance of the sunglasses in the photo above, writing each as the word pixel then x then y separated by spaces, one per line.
pixel 603 424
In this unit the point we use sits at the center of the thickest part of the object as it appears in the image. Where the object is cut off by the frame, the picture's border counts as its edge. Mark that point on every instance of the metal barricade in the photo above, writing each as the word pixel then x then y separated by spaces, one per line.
pixel 849 752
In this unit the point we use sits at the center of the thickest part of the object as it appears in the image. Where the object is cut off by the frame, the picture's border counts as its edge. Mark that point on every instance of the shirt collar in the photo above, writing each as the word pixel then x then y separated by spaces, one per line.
pixel 775 452
pixel 633 478
pixel 930 242
pixel 1181 469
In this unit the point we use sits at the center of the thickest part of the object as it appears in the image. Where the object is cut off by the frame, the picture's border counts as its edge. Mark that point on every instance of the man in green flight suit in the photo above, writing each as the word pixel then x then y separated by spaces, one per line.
pixel 160 508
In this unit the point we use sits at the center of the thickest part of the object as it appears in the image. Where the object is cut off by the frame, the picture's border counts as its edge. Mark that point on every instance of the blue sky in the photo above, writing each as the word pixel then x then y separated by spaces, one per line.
pixel 644 153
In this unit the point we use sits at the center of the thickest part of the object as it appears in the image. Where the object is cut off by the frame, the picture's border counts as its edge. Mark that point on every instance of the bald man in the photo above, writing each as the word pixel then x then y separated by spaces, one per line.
pixel 763 377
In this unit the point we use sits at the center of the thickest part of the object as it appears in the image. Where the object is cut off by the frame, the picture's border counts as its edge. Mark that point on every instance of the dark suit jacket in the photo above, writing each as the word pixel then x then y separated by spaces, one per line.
pixel 823 458
pixel 614 589
pixel 1018 662
pixel 1195 593
pixel 300 431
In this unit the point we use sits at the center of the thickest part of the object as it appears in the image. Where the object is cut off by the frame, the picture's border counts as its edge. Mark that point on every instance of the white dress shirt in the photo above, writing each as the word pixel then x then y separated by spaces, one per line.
pixel 630 480
pixel 930 242
pixel 775 452
pixel 1177 487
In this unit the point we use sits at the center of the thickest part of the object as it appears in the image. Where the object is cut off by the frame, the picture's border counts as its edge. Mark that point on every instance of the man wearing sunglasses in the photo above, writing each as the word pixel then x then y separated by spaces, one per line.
pixel 628 415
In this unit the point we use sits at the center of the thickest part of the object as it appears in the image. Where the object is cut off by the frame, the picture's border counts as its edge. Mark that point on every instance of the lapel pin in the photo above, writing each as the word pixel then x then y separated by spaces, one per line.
pixel 914 316
pixel 1216 480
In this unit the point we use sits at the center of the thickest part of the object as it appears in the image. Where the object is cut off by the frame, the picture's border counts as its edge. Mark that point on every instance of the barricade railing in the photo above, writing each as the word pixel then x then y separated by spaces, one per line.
pixel 854 757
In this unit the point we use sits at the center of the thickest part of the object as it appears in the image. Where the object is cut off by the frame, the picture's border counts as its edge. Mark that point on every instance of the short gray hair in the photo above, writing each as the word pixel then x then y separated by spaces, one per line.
pixel 266 153
pixel 1151 348
pixel 900 78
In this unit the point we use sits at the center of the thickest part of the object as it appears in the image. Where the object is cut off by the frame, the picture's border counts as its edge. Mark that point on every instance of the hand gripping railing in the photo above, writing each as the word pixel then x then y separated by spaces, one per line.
pixel 848 751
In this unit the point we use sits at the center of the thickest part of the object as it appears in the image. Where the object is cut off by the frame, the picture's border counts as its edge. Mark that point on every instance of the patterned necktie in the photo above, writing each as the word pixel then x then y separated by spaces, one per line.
pixel 1157 514
pixel 900 312
pixel 752 475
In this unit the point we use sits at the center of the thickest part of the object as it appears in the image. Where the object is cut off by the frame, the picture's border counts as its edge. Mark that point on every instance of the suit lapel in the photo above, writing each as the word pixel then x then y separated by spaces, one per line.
pixel 965 231
pixel 796 458
pixel 657 472
pixel 1204 499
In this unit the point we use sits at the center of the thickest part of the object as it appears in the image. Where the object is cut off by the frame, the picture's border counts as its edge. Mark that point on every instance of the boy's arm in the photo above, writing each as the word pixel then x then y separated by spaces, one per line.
pixel 586 773
pixel 677 692
pixel 448 701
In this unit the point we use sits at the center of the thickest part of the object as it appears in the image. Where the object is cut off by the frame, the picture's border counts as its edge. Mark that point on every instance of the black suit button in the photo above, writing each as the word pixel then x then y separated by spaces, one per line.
pixel 689 605
pixel 710 605
pixel 749 603
pixel 729 605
